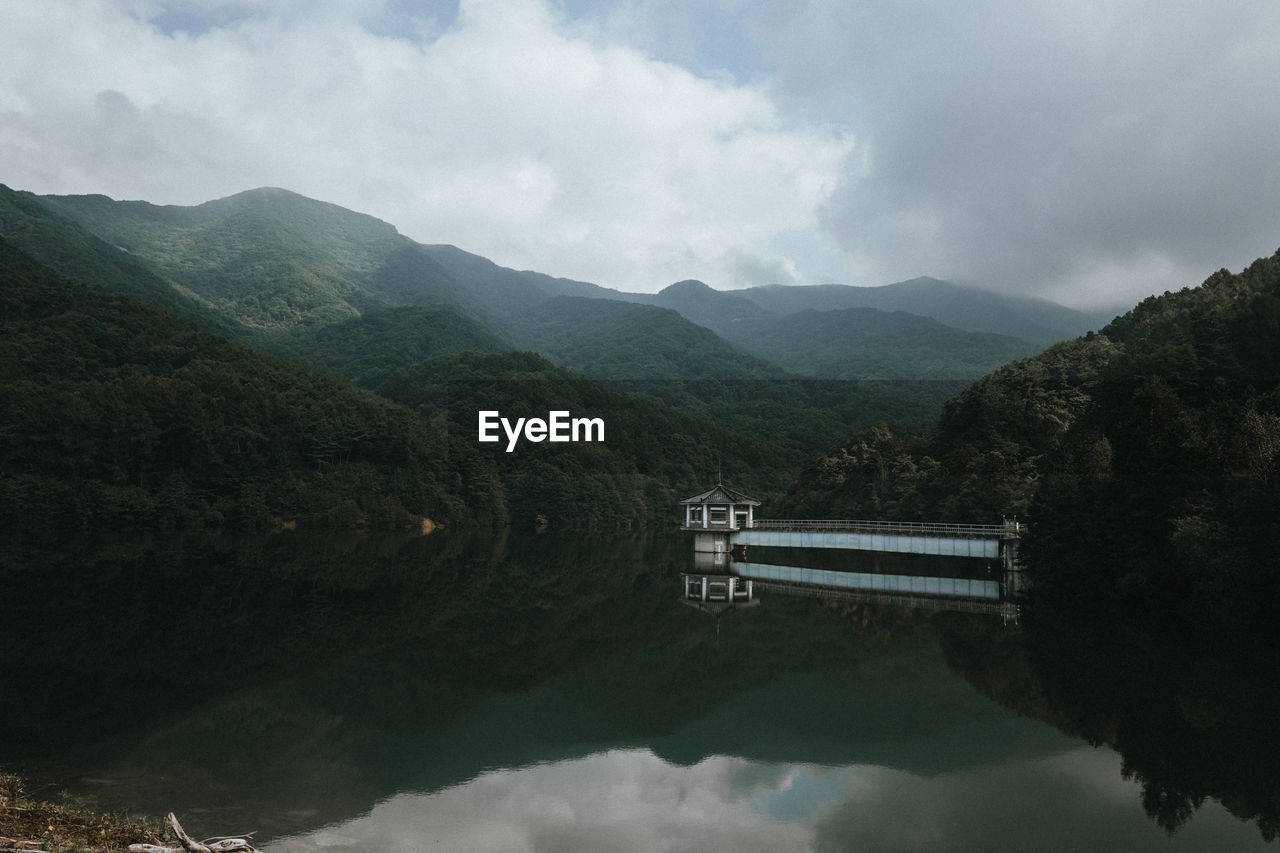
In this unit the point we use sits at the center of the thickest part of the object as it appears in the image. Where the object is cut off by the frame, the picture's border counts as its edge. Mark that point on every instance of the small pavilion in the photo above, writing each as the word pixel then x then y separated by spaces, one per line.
pixel 719 508
pixel 715 515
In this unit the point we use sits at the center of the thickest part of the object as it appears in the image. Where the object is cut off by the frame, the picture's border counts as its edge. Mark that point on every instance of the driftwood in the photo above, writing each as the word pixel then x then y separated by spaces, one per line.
pixel 13 845
pixel 225 844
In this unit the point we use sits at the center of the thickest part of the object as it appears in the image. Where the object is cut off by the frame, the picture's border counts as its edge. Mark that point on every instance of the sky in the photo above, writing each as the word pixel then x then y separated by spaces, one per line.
pixel 1084 151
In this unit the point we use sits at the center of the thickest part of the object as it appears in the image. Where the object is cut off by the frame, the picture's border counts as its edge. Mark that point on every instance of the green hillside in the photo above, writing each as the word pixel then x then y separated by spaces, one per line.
pixel 606 339
pixel 714 309
pixel 283 265
pixel 370 349
pixel 843 343
pixel 1146 458
pixel 269 258
pixel 651 456
pixel 118 415
pixel 963 307
pixel 28 223
pixel 864 343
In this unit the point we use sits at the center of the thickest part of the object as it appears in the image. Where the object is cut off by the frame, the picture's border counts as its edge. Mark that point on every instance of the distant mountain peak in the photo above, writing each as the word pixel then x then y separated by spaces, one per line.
pixel 959 305
pixel 689 285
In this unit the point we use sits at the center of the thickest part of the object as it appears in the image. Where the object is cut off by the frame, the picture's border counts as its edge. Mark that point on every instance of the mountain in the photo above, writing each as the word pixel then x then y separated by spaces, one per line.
pixel 277 264
pixel 607 339
pixel 270 262
pixel 268 258
pixel 715 309
pixel 119 415
pixel 369 349
pixel 60 243
pixel 1037 321
pixel 650 457
pixel 844 343
pixel 1146 458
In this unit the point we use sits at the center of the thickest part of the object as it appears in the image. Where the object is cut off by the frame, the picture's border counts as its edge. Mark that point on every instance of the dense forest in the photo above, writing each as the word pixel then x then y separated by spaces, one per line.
pixel 116 414
pixel 1144 457
pixel 120 415
pixel 212 432
pixel 1159 435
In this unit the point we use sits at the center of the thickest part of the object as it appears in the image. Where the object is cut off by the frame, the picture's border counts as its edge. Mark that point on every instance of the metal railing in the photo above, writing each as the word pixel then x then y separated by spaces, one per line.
pixel 918 528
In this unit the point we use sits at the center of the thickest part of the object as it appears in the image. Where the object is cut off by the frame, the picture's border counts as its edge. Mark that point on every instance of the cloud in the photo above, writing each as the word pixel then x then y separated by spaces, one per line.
pixel 1094 153
pixel 1027 146
pixel 620 800
pixel 501 129
pixel 631 800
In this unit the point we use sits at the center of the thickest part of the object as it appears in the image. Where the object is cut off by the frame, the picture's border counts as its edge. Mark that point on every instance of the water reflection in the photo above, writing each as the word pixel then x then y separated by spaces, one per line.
pixel 551 692
pixel 632 800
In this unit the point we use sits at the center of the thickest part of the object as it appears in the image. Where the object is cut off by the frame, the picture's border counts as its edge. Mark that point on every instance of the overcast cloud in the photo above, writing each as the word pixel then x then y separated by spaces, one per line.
pixel 1089 152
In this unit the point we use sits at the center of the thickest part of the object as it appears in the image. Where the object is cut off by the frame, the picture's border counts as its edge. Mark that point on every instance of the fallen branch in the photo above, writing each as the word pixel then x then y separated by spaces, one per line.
pixel 227 844
pixel 13 845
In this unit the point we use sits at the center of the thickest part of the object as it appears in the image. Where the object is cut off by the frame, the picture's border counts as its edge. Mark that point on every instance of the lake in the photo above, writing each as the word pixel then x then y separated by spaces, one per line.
pixel 551 692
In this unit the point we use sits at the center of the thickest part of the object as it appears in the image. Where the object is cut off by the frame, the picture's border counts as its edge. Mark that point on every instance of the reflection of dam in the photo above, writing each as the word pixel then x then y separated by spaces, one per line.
pixel 969 588
pixel 718 584
pixel 722 519
pixel 717 589
pixel 964 595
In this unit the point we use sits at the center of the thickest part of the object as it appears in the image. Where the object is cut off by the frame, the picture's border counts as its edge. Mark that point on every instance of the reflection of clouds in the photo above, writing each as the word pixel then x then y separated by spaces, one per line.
pixel 1071 802
pixel 621 800
pixel 634 801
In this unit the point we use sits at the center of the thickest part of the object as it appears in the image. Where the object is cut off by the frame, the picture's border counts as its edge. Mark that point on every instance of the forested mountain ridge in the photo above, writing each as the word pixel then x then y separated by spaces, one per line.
pixel 369 349
pixel 63 245
pixel 116 414
pixel 270 258
pixel 278 264
pixel 1037 321
pixel 1146 457
pixel 825 339
pixel 273 260
pixel 651 456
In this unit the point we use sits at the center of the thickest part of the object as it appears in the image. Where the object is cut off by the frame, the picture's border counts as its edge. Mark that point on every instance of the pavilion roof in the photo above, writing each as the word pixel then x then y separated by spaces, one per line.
pixel 721 494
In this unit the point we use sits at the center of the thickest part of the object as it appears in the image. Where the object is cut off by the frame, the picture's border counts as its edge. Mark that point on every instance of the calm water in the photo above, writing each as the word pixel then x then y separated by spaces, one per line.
pixel 551 693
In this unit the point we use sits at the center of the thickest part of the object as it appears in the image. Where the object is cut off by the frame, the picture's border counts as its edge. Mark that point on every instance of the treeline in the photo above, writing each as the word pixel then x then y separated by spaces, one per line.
pixel 1166 491
pixel 1192 724
pixel 117 414
pixel 979 464
pixel 1145 457
pixel 652 455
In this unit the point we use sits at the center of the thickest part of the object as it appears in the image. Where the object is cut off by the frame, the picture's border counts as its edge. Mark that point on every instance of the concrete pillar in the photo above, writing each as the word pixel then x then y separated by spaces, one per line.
pixel 704 587
pixel 751 516
pixel 688 515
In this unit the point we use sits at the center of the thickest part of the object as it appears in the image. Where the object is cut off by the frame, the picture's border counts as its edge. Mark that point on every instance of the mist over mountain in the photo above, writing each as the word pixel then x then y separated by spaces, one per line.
pixel 1037 321
pixel 844 343
pixel 270 260
pixel 1146 458
pixel 344 292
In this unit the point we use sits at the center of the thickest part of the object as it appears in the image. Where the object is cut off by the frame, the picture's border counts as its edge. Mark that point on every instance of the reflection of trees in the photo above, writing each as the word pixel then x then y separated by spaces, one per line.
pixel 1168 806
pixel 1189 723
pixel 317 671
pixel 107 633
